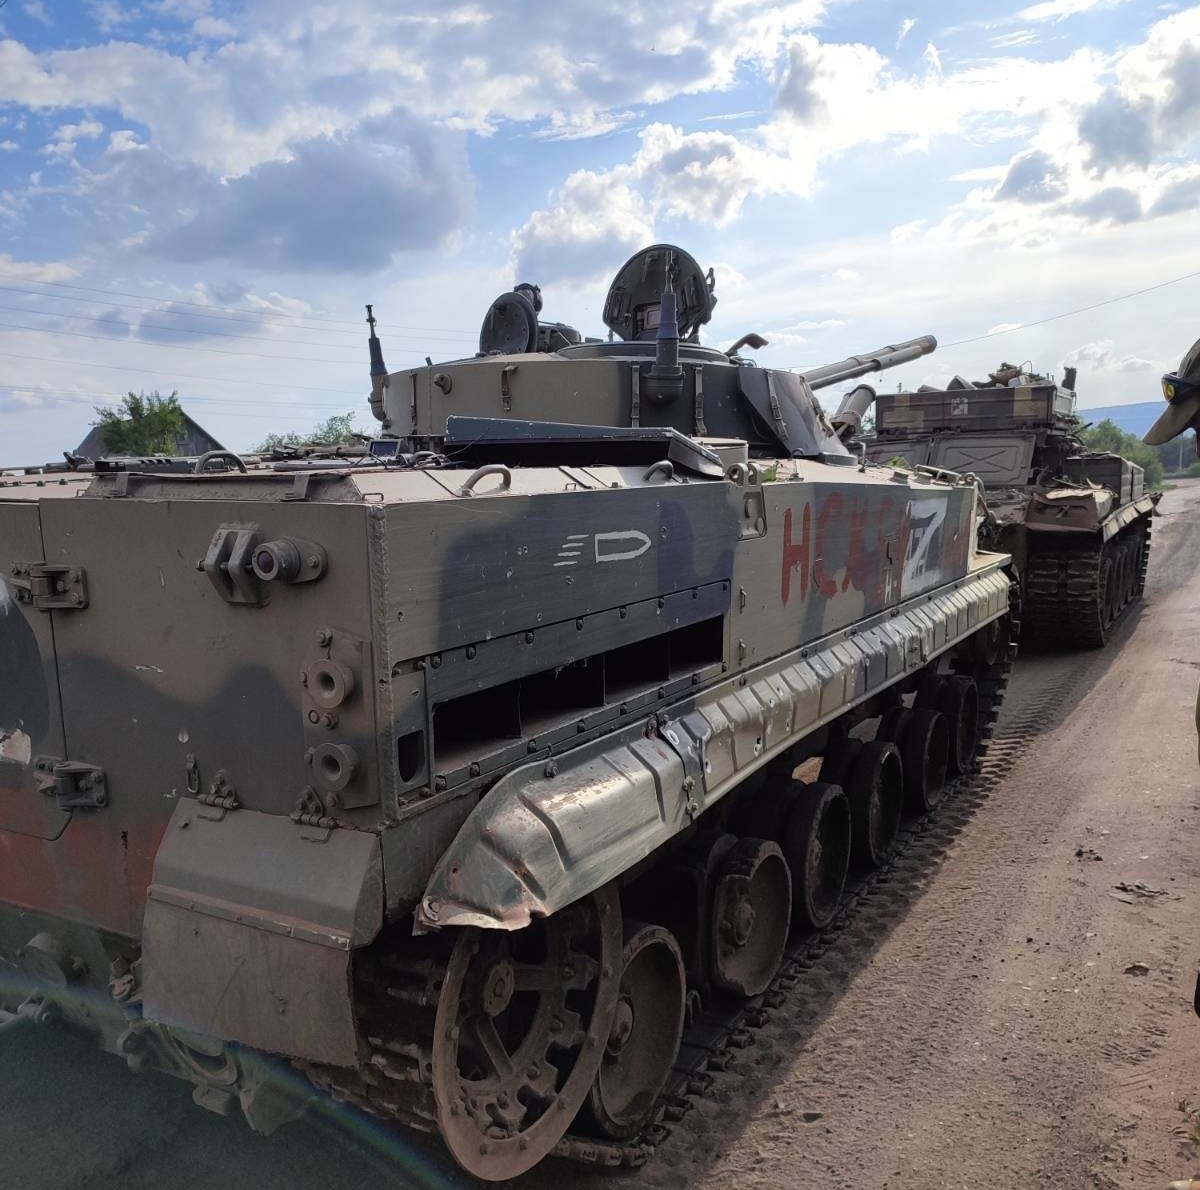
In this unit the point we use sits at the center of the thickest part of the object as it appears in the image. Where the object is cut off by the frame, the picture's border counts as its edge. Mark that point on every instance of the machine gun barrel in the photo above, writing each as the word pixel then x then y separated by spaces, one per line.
pixel 871 361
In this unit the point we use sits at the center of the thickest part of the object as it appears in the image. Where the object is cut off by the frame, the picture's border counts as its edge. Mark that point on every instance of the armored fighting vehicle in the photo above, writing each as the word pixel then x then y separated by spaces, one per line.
pixel 1076 522
pixel 447 771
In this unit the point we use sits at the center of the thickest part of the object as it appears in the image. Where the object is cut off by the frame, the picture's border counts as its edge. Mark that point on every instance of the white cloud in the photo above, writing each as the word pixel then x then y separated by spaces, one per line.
pixel 985 173
pixel 37 10
pixel 1059 10
pixel 1099 356
pixel 906 27
pixel 32 270
pixel 1009 41
pixel 8 146
pixel 66 136
pixel 593 221
pixel 212 27
pixel 298 68
pixel 703 177
pixel 809 324
pixel 341 203
pixel 110 15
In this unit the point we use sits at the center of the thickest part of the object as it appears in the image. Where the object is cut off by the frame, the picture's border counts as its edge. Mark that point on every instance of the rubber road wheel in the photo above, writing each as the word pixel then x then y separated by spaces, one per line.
pixel 924 750
pixel 816 845
pixel 876 792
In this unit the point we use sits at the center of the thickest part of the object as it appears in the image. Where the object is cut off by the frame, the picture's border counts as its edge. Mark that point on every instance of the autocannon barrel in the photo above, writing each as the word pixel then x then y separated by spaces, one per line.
pixel 871 361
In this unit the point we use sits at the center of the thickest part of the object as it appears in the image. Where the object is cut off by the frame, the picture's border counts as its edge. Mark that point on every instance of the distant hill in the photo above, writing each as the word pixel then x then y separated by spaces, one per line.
pixel 1133 419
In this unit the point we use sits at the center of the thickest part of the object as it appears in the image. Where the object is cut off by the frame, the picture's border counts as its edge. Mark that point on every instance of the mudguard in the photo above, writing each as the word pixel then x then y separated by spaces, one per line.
pixel 249 927
pixel 550 832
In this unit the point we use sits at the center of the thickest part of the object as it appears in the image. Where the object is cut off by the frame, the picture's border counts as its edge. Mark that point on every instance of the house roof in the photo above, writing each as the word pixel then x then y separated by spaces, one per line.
pixel 194 436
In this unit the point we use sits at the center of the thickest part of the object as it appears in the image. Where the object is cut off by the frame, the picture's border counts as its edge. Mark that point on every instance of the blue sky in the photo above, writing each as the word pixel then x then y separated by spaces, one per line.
pixel 201 195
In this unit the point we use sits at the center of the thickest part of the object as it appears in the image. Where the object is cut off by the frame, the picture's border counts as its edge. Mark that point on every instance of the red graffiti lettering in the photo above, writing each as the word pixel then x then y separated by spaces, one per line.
pixel 858 562
pixel 830 506
pixel 796 554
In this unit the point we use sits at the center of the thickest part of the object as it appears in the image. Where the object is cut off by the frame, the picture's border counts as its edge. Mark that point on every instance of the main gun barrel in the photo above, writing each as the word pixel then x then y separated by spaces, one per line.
pixel 871 361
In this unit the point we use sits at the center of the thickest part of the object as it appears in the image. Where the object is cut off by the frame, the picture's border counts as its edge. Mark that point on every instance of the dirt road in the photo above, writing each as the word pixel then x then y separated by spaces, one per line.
pixel 1001 1013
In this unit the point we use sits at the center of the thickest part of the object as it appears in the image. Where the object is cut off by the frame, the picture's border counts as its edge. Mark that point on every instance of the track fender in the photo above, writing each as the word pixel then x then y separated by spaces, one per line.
pixel 249 928
pixel 545 835
pixel 554 830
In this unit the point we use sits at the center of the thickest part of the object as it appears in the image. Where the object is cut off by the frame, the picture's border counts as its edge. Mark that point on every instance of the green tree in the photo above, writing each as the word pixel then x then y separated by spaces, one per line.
pixel 339 428
pixel 1108 436
pixel 143 424
pixel 1177 455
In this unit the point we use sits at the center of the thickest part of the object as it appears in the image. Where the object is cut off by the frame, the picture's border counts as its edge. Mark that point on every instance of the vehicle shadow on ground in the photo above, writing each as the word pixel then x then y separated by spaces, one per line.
pixel 76 1118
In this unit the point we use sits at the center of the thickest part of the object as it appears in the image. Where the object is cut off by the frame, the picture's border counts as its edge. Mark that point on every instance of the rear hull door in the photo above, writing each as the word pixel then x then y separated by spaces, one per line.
pixel 31 724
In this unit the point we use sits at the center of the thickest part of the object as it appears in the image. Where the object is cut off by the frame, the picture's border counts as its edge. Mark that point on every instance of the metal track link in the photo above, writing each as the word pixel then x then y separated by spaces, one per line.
pixel 397 996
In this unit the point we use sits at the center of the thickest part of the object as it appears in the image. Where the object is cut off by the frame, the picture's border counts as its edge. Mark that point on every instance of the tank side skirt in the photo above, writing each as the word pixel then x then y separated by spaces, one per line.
pixel 547 834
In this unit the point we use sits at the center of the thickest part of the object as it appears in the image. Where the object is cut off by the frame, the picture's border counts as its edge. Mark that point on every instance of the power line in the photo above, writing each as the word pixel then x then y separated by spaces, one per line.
pixel 143 326
pixel 308 359
pixel 257 313
pixel 72 363
pixel 109 399
pixel 1022 326
pixel 67 297
pixel 1124 297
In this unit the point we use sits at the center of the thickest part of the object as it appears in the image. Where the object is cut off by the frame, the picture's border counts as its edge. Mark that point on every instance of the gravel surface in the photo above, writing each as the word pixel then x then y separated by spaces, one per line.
pixel 1003 1014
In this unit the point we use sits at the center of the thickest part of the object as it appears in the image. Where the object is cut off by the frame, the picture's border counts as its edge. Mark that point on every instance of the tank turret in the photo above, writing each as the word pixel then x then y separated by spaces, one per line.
pixel 652 374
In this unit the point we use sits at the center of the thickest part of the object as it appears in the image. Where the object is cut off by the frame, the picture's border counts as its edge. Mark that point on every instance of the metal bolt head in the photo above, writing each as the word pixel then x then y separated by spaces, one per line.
pixel 324 636
pixel 314 716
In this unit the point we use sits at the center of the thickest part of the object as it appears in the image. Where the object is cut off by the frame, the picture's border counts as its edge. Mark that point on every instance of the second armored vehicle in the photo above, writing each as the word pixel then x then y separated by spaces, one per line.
pixel 1076 522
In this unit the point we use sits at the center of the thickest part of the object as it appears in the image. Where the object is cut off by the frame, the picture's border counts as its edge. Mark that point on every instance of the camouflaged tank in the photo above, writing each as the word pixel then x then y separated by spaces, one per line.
pixel 444 772
pixel 1076 522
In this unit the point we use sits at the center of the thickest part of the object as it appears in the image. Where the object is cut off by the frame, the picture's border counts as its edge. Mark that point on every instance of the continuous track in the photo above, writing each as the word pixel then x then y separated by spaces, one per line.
pixel 1078 596
pixel 399 993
